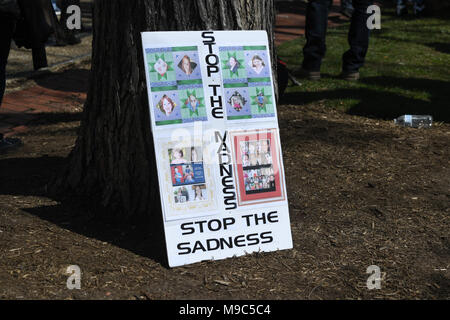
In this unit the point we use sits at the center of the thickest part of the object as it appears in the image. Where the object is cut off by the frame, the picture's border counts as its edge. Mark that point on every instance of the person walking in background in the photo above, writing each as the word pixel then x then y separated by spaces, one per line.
pixel 418 7
pixel 347 8
pixel 28 22
pixel 315 47
pixel 9 14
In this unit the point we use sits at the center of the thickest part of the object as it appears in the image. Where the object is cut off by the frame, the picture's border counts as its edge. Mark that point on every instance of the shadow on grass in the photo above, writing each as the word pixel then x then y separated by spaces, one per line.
pixel 385 104
pixel 143 236
pixel 439 46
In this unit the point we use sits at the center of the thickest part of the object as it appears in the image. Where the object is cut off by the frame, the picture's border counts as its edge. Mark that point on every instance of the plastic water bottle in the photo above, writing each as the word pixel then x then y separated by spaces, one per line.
pixel 414 121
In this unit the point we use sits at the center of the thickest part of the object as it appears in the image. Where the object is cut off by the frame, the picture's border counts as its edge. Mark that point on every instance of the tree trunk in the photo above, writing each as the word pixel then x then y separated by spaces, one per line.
pixel 113 161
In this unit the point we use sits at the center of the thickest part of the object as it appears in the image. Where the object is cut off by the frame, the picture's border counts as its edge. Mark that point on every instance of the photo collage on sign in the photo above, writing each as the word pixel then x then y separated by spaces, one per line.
pixel 258 169
pixel 176 85
pixel 247 82
pixel 187 174
pixel 257 166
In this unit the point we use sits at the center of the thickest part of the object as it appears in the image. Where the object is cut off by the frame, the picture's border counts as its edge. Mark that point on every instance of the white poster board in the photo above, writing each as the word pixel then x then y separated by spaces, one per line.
pixel 217 145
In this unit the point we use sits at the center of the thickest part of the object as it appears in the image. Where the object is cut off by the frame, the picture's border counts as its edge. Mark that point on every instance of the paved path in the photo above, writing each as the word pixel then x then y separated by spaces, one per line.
pixel 65 92
pixel 290 20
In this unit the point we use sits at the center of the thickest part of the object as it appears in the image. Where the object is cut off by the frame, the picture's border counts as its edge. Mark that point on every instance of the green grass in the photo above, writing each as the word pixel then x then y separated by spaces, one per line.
pixel 407 70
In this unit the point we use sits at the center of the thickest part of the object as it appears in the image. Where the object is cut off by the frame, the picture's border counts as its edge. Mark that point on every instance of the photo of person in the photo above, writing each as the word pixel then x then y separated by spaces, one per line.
pixel 195 155
pixel 187 194
pixel 181 195
pixel 166 105
pixel 257 64
pixel 192 103
pixel 186 65
pixel 198 192
pixel 261 101
pixel 233 64
pixel 177 156
pixel 161 66
pixel 237 101
pixel 188 174
pixel 257 166
pixel 186 166
pixel 178 176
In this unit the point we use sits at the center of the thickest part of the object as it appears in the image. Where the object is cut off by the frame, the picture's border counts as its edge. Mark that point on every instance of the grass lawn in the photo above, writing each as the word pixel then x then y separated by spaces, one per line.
pixel 407 70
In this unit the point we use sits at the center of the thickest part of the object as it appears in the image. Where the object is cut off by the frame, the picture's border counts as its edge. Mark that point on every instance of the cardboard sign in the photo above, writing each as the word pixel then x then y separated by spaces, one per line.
pixel 217 145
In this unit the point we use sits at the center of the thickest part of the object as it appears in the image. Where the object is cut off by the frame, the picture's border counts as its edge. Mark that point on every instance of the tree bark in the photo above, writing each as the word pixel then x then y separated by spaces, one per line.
pixel 113 161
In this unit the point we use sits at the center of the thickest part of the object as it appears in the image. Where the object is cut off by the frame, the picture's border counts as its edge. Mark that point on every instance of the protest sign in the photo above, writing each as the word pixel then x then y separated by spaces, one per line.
pixel 216 137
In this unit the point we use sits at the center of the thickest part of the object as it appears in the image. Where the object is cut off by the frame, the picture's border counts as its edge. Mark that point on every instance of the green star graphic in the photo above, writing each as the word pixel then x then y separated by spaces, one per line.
pixel 225 65
pixel 185 106
pixel 169 67
pixel 261 100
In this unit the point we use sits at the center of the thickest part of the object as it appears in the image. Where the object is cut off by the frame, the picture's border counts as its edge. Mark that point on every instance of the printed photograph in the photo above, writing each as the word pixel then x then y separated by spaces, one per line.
pixel 257 64
pixel 191 193
pixel 258 170
pixel 261 101
pixel 238 103
pixel 233 64
pixel 186 166
pixel 167 109
pixel 193 105
pixel 187 64
pixel 257 166
pixel 160 67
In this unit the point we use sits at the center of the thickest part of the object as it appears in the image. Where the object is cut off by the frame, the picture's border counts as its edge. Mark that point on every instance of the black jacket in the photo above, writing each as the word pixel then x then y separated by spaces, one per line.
pixel 35 25
pixel 10 6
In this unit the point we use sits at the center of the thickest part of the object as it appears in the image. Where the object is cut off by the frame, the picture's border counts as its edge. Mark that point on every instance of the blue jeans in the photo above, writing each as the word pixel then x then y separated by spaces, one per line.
pixel 7 26
pixel 316 29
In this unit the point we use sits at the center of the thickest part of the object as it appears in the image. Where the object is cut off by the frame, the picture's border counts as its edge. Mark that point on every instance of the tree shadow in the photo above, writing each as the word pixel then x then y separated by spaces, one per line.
pixel 143 236
pixel 383 103
pixel 440 46
pixel 42 118
pixel 74 80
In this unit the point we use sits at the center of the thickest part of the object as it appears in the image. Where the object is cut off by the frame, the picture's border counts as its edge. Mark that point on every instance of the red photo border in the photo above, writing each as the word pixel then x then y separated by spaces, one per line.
pixel 253 135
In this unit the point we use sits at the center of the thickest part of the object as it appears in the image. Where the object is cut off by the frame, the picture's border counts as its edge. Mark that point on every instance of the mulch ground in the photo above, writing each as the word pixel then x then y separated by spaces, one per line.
pixel 362 192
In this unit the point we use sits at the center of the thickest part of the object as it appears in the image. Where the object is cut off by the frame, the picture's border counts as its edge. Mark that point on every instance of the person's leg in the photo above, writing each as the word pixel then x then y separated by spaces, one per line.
pixel 315 32
pixel 7 25
pixel 346 4
pixel 70 34
pixel 402 8
pixel 358 37
pixel 419 7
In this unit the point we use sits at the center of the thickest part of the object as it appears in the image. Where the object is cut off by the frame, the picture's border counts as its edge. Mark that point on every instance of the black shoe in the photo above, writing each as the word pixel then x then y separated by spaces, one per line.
pixel 7 144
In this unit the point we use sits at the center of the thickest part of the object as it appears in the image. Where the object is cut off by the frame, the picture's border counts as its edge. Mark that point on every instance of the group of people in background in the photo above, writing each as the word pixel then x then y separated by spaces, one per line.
pixel 30 23
pixel 358 35
pixel 401 7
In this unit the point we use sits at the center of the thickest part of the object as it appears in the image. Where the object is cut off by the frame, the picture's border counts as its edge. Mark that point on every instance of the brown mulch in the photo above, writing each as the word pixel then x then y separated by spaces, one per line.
pixel 362 192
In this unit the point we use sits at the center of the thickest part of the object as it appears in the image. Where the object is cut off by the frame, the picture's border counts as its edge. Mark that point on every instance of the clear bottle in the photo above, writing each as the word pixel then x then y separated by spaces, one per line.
pixel 414 121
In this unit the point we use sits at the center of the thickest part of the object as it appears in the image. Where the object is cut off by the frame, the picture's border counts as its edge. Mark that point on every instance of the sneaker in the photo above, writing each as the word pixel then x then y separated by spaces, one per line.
pixel 305 74
pixel 7 144
pixel 349 75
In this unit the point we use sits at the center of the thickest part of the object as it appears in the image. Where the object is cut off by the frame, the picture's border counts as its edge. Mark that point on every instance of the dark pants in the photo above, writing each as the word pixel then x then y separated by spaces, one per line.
pixel 7 26
pixel 316 29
